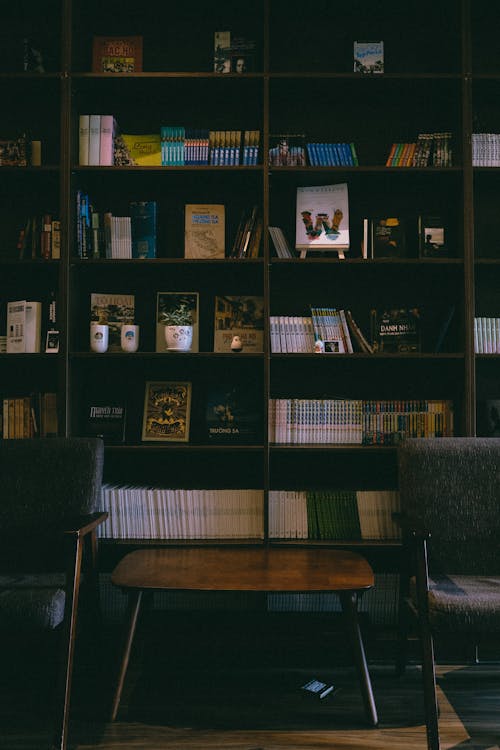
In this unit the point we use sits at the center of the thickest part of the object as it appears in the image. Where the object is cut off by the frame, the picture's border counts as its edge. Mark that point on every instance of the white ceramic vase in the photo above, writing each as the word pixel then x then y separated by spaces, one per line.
pixel 179 338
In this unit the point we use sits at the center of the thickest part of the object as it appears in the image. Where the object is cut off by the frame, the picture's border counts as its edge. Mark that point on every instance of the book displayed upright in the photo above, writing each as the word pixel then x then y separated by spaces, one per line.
pixel 369 57
pixel 432 240
pixel 204 231
pixel 388 237
pixel 233 413
pixel 117 54
pixel 167 411
pixel 143 229
pixel 24 327
pixel 396 330
pixel 105 419
pixel 322 218
pixel 113 310
pixel 240 320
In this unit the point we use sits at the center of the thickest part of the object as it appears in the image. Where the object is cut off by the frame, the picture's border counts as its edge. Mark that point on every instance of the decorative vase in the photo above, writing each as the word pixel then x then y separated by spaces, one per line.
pixel 179 338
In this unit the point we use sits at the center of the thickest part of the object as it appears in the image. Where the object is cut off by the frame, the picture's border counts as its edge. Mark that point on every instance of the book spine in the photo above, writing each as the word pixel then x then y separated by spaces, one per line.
pixel 83 142
pixel 106 132
pixel 94 140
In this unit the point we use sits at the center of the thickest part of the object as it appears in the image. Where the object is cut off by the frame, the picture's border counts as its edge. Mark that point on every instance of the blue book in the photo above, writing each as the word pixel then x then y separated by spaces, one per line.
pixel 143 228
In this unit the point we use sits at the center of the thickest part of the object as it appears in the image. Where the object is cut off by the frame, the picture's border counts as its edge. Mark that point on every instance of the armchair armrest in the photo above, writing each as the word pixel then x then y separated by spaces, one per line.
pixel 411 527
pixel 84 524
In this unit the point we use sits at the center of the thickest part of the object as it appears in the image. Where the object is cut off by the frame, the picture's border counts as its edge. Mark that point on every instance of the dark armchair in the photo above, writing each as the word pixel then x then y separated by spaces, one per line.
pixel 450 501
pixel 49 499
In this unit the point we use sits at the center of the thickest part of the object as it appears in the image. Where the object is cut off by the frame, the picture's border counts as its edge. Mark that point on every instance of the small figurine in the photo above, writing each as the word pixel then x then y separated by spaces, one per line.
pixel 236 345
pixel 319 347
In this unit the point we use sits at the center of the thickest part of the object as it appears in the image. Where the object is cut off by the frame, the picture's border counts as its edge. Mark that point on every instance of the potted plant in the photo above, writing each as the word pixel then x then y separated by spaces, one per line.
pixel 177 315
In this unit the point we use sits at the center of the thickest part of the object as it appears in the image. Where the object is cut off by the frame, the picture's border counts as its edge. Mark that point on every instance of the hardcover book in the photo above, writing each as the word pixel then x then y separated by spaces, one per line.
pixel 167 411
pixel 117 54
pixel 396 330
pixel 388 237
pixel 432 237
pixel 241 317
pixel 205 231
pixel 143 228
pixel 368 57
pixel 106 420
pixel 113 310
pixel 176 308
pixel 233 413
pixel 322 218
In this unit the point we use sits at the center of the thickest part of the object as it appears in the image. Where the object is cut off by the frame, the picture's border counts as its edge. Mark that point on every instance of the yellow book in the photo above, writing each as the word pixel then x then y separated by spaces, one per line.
pixel 144 150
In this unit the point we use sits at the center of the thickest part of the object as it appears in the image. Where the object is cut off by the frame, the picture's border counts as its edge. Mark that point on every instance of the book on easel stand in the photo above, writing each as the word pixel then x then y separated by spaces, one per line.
pixel 322 219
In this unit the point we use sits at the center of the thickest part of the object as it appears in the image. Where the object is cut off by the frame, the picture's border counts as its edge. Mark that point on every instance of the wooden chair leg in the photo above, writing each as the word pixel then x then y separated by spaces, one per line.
pixel 134 605
pixel 63 693
pixel 429 684
pixel 348 600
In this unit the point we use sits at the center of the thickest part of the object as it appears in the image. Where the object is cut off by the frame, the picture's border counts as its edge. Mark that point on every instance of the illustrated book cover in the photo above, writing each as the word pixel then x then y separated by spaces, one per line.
pixel 396 330
pixel 113 310
pixel 233 414
pixel 176 308
pixel 242 317
pixel 138 150
pixel 107 420
pixel 167 411
pixel 369 57
pixel 432 240
pixel 388 238
pixel 117 54
pixel 287 150
pixel 322 217
pixel 205 231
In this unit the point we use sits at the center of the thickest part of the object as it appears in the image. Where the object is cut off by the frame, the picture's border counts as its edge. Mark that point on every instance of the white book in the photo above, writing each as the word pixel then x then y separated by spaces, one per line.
pixel 106 131
pixel 83 142
pixel 94 140
pixel 16 322
pixel 33 327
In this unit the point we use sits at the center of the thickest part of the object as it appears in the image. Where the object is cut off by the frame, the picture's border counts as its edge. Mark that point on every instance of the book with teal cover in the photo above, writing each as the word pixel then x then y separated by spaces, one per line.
pixel 143 227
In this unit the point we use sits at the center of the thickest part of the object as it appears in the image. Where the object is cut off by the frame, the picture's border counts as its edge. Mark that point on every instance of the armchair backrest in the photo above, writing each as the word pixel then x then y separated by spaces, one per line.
pixel 45 481
pixel 451 487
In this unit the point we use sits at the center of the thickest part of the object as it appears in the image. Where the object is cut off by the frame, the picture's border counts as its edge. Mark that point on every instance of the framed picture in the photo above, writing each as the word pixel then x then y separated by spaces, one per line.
pixel 167 411
pixel 117 54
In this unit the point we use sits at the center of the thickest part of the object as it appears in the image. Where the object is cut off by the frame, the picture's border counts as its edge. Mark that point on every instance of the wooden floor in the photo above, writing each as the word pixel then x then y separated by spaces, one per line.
pixel 180 696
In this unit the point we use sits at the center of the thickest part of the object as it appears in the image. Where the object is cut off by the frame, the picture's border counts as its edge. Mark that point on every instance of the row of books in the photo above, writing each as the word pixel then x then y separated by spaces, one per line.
pixel 29 416
pixel 101 143
pixel 332 154
pixel 486 149
pixel 291 334
pixel 380 603
pixel 333 514
pixel 156 513
pixel 280 243
pixel 487 335
pixel 40 237
pixel 429 150
pixel 301 421
pixel 334 327
pixel 248 234
pixel 103 235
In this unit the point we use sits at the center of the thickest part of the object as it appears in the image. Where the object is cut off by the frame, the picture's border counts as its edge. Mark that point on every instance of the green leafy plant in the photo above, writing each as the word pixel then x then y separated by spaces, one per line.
pixel 180 314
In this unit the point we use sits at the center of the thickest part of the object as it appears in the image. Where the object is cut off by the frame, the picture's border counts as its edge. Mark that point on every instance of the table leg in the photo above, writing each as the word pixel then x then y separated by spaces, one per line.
pixel 134 605
pixel 348 600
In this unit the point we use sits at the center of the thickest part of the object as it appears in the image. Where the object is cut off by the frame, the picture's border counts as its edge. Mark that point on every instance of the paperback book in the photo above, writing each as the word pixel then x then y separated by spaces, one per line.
pixel 396 330
pixel 232 413
pixel 205 230
pixel 167 411
pixel 369 57
pixel 106 420
pixel 117 54
pixel 388 237
pixel 239 318
pixel 113 310
pixel 322 218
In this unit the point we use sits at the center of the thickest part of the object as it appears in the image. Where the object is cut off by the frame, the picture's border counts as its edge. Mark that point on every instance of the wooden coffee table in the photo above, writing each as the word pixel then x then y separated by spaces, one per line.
pixel 263 569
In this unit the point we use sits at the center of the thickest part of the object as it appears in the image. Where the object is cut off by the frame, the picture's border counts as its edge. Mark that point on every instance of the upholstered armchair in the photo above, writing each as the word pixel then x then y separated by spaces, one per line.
pixel 450 501
pixel 50 495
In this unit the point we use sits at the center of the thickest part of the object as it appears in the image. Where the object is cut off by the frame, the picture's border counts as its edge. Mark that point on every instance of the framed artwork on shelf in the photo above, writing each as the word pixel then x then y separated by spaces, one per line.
pixel 167 411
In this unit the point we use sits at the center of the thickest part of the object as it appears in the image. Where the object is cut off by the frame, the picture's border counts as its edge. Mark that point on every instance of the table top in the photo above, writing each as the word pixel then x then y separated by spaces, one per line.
pixel 243 569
